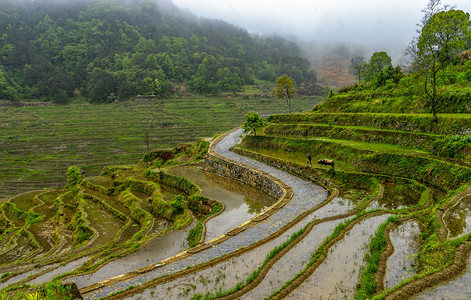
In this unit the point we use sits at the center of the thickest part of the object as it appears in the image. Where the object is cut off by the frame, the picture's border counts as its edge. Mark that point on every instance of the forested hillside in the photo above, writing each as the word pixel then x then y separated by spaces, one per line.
pixel 108 50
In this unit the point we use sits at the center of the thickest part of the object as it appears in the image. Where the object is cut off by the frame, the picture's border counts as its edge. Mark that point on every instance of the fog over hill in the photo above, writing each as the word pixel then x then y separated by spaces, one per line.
pixel 376 25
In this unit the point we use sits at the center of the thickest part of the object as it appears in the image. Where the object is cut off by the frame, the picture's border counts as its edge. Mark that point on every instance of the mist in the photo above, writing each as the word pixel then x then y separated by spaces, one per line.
pixel 372 24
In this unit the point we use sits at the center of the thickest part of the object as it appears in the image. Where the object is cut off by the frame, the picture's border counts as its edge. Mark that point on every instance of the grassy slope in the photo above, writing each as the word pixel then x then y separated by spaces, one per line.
pixel 38 144
pixel 393 144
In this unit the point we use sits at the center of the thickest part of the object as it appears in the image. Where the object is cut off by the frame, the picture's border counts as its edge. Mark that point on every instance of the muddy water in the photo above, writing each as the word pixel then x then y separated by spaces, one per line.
pixel 242 201
pixel 457 288
pixel 401 264
pixel 396 197
pixel 24 276
pixel 337 206
pixel 293 262
pixel 227 274
pixel 337 276
pixel 458 218
pixel 157 249
pixel 63 269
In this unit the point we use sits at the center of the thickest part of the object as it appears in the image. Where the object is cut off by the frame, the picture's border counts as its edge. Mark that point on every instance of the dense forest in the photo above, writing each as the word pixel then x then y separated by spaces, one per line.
pixel 110 50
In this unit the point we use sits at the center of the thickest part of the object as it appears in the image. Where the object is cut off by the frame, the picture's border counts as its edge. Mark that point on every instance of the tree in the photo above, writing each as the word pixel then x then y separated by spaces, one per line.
pixel 253 121
pixel 442 37
pixel 74 177
pixel 357 67
pixel 285 89
pixel 378 61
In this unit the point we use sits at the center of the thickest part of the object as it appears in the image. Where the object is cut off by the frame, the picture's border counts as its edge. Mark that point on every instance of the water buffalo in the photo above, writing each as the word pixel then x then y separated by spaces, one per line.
pixel 325 161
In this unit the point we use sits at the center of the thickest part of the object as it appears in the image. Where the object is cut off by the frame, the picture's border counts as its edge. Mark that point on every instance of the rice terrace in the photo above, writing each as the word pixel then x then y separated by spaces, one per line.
pixel 147 153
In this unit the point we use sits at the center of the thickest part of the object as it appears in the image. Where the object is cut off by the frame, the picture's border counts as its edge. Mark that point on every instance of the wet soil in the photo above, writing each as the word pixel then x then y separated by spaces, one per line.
pixel 401 264
pixel 337 276
pixel 457 288
pixel 44 229
pixel 23 247
pixel 105 224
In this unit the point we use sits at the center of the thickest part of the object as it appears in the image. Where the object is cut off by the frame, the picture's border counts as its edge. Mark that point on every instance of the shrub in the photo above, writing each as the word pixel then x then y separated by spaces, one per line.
pixel 177 205
pixel 74 177
pixel 451 146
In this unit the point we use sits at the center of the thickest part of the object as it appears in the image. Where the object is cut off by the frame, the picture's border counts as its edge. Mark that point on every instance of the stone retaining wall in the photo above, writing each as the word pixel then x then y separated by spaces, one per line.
pixel 221 166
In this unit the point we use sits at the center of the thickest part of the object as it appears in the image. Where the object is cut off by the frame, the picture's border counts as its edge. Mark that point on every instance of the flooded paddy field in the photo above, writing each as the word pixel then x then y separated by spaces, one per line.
pixel 242 202
pixel 155 250
pixel 397 196
pixel 402 263
pixel 337 276
pixel 456 288
pixel 236 270
pixel 457 219
pixel 293 262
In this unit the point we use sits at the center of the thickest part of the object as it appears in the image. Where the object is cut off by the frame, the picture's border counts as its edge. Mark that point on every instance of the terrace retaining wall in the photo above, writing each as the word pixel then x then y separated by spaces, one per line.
pixel 221 166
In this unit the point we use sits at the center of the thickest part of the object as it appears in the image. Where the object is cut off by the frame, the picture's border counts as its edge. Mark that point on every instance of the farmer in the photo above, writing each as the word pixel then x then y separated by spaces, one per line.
pixel 309 159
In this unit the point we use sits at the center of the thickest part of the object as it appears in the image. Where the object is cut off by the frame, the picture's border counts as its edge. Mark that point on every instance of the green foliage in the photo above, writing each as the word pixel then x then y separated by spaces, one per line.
pixel 452 146
pixel 82 233
pixel 331 93
pixel 253 121
pixel 194 236
pixel 183 184
pixel 107 51
pixel 377 63
pixel 285 89
pixel 74 177
pixel 177 205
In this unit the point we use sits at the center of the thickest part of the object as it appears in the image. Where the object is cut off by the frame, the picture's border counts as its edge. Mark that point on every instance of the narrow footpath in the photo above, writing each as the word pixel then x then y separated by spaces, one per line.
pixel 306 195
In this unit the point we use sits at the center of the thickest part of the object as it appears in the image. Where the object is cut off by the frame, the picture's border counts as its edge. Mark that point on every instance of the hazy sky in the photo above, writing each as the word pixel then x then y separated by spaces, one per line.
pixel 373 23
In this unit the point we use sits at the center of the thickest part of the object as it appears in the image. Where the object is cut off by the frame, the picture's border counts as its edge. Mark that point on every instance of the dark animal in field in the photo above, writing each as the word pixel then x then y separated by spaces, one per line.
pixel 325 161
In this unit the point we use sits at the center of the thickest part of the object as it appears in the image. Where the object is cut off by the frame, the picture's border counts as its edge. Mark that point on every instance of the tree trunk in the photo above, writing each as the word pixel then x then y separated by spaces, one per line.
pixel 434 97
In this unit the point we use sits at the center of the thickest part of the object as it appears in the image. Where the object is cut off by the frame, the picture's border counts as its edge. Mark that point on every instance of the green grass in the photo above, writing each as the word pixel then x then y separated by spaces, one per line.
pixel 38 144
pixel 301 158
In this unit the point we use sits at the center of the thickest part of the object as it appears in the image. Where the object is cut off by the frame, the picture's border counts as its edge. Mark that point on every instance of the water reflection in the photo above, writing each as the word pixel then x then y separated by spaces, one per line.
pixel 254 206
pixel 242 201
pixel 458 218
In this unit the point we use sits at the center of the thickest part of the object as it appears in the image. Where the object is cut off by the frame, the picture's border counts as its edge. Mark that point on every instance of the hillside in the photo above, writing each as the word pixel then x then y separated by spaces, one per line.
pixel 404 92
pixel 39 143
pixel 401 164
pixel 104 51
